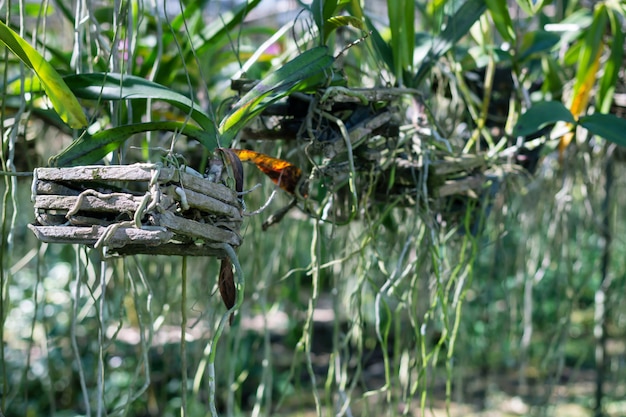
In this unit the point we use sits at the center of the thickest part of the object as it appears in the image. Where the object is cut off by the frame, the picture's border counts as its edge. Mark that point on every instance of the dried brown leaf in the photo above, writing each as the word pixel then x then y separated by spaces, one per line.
pixel 231 159
pixel 226 285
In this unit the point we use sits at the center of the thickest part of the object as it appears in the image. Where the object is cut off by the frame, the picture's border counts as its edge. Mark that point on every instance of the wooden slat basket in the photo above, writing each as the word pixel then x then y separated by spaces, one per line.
pixel 136 209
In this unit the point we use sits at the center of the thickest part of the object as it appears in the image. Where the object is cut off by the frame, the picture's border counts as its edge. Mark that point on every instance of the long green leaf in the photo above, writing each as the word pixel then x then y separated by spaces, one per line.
pixel 401 24
pixel 322 10
pixel 499 11
pixel 288 78
pixel 541 114
pixel 607 126
pixel 221 28
pixel 90 149
pixel 113 86
pixel 383 49
pixel 62 99
pixel 457 27
pixel 526 6
pixel 612 66
pixel 592 43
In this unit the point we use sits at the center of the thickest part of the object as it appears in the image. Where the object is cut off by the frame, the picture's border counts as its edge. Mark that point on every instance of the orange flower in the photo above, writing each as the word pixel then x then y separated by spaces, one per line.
pixel 284 174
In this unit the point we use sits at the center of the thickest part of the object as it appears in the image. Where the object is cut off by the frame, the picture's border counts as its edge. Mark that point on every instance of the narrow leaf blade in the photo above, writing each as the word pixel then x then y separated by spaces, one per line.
pixel 62 99
pixel 612 66
pixel 273 87
pixel 591 46
pixel 499 11
pixel 90 149
pixel 457 27
pixel 114 86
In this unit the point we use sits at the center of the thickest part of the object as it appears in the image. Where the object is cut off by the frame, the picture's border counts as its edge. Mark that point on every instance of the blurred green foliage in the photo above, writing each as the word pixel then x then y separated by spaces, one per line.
pixel 405 305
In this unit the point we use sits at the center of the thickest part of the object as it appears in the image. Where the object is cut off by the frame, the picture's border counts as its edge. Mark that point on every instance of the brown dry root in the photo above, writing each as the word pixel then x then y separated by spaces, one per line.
pixel 226 286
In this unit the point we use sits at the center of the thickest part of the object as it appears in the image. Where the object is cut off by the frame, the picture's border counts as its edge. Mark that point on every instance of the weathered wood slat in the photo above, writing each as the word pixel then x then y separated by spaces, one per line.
pixel 135 172
pixel 460 164
pixel 202 186
pixel 138 172
pixel 113 203
pixel 53 188
pixel 471 184
pixel 206 203
pixel 216 216
pixel 90 235
pixel 170 249
pixel 196 230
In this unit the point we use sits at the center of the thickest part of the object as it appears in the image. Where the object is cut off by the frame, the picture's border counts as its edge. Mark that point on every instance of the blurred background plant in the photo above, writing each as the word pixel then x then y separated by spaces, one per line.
pixel 386 295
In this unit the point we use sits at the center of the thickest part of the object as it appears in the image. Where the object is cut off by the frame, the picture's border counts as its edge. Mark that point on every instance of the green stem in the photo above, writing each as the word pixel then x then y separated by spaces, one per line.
pixel 208 360
pixel 307 333
pixel 183 341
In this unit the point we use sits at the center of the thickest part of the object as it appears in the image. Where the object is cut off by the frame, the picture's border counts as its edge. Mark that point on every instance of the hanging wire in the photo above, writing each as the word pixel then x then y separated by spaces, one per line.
pixel 78 283
pixel 183 338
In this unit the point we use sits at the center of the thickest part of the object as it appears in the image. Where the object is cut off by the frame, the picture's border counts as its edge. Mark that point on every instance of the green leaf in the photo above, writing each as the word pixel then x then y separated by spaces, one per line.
pixel 574 26
pixel 91 149
pixel 552 72
pixel 607 126
pixel 62 99
pixel 383 49
pixel 526 6
pixel 408 37
pixel 499 11
pixel 532 7
pixel 295 75
pixel 423 44
pixel 221 28
pixel 401 23
pixel 612 66
pixel 335 22
pixel 322 10
pixel 536 42
pixel 113 86
pixel 592 43
pixel 435 10
pixel 541 114
pixel 32 9
pixel 457 26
